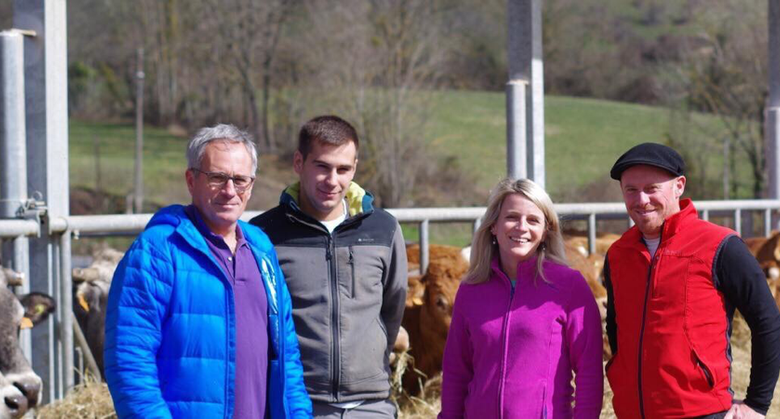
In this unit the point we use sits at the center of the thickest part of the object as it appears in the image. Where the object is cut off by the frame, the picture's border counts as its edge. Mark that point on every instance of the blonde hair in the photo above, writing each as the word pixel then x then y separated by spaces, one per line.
pixel 483 247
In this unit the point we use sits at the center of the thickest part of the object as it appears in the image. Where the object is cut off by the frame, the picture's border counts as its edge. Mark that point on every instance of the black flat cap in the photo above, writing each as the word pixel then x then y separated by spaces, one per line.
pixel 651 154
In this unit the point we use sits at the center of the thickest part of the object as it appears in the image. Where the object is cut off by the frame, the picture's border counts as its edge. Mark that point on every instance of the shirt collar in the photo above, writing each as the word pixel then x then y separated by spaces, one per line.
pixel 194 216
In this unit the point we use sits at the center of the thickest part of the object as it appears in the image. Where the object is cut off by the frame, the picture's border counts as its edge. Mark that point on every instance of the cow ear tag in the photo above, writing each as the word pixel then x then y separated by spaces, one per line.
pixel 417 301
pixel 83 303
pixel 26 323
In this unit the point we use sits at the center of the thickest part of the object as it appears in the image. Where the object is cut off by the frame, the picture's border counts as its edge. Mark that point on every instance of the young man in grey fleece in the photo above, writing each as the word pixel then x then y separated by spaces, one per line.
pixel 345 266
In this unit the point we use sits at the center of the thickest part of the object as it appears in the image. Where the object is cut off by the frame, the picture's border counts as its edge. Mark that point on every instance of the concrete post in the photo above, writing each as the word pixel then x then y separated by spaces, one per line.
pixel 46 100
pixel 525 65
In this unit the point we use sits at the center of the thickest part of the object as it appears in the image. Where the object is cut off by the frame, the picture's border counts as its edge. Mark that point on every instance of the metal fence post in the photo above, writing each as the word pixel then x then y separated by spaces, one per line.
pixel 13 158
pixel 516 153
pixel 66 316
pixel 592 233
pixel 46 102
pixel 424 250
pixel 13 134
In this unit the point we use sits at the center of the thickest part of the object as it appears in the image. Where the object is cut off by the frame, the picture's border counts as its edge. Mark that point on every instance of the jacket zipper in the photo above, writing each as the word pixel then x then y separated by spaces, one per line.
pixel 706 371
pixel 352 268
pixel 228 298
pixel 333 279
pixel 334 315
pixel 505 340
pixel 653 262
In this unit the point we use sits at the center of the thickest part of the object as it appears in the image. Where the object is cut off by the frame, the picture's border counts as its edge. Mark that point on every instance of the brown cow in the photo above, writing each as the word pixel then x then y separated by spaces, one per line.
pixel 429 311
pixel 580 243
pixel 591 268
pixel 767 252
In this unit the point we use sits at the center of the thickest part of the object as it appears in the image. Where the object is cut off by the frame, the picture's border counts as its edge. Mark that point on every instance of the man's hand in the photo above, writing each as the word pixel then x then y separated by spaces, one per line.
pixel 739 410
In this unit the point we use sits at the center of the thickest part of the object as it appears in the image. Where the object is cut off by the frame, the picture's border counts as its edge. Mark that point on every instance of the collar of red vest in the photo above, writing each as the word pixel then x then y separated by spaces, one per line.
pixel 671 226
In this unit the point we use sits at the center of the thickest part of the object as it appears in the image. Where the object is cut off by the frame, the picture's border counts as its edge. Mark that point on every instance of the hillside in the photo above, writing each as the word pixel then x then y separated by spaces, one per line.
pixel 584 137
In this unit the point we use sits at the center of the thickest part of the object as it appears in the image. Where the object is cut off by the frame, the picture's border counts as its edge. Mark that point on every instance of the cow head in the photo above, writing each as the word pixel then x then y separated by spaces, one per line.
pixel 20 387
pixel 91 298
pixel 441 283
pixel 429 311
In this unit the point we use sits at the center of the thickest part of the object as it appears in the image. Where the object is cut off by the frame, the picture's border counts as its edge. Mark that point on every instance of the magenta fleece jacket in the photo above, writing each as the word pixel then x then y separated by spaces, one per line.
pixel 511 354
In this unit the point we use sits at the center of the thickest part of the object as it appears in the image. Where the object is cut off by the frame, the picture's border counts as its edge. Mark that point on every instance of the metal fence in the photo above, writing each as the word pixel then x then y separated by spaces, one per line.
pixel 91 225
pixel 62 229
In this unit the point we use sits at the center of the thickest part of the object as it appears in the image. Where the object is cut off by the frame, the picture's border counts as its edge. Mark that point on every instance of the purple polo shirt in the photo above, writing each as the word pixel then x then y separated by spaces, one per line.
pixel 251 305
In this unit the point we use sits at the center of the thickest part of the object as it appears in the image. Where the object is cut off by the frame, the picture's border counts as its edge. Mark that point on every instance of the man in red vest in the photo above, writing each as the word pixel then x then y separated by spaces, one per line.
pixel 673 282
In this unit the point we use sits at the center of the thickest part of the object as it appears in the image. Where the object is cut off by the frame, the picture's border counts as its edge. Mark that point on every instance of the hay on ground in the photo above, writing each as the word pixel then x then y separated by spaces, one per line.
pixel 90 400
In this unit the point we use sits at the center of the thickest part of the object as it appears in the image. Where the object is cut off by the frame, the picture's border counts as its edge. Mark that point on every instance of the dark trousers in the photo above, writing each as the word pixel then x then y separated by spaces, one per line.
pixel 370 409
pixel 720 415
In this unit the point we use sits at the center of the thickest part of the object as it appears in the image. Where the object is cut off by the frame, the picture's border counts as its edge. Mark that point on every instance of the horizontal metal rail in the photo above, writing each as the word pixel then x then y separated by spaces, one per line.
pixel 134 223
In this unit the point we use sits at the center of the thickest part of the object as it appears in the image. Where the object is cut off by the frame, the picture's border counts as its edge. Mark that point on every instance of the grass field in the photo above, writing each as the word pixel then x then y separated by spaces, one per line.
pixel 102 156
pixel 583 139
pixel 583 136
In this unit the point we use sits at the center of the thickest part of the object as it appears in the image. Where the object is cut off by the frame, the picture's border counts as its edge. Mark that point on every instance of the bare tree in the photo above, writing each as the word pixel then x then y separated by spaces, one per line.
pixel 374 66
pixel 251 30
pixel 725 75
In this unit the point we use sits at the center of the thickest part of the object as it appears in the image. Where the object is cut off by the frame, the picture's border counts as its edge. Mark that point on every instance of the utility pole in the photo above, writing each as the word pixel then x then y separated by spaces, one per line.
pixel 525 91
pixel 138 190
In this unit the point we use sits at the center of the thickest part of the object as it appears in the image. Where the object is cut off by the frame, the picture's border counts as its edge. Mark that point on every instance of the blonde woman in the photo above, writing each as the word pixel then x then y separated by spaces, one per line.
pixel 523 321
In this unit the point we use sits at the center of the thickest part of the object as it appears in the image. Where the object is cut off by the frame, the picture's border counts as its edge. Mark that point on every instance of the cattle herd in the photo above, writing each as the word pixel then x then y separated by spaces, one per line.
pixel 423 335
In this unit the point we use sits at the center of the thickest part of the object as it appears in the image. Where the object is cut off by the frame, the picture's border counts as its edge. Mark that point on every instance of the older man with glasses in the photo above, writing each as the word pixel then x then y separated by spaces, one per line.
pixel 199 317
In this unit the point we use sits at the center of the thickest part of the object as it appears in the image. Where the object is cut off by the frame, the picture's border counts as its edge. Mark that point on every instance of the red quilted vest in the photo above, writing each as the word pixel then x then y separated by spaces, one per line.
pixel 672 329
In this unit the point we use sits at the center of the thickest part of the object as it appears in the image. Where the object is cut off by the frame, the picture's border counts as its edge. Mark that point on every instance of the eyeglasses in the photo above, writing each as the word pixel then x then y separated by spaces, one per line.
pixel 219 179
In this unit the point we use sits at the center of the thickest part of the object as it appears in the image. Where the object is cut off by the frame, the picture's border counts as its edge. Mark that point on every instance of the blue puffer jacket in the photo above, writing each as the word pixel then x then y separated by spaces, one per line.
pixel 170 328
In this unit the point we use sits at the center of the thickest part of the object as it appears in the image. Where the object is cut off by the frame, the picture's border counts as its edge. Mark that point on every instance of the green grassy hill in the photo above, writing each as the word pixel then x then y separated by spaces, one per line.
pixel 584 137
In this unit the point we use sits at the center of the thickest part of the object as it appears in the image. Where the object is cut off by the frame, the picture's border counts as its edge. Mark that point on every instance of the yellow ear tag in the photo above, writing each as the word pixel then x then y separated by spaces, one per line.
pixel 83 303
pixel 26 323
pixel 417 301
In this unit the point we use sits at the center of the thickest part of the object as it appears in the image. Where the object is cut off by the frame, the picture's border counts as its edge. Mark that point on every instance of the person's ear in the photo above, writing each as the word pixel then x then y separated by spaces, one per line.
pixel 679 186
pixel 189 176
pixel 298 162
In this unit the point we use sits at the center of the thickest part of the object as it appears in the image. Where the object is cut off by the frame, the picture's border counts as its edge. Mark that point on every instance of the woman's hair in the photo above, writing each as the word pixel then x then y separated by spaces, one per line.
pixel 484 248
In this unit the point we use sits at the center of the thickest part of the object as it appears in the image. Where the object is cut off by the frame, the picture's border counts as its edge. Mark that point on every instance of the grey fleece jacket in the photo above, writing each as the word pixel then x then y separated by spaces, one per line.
pixel 348 291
